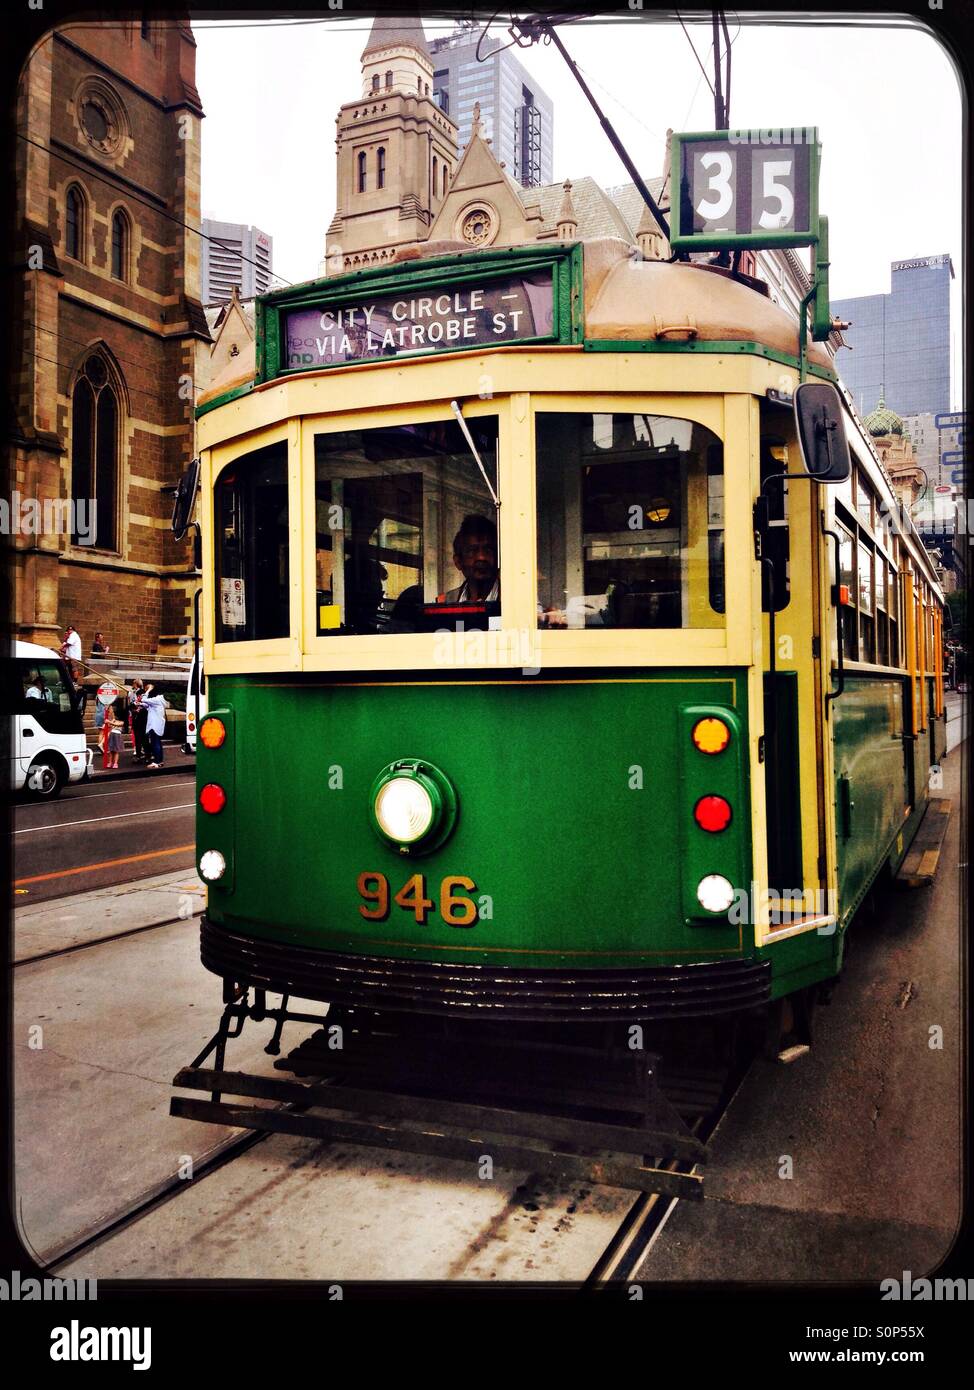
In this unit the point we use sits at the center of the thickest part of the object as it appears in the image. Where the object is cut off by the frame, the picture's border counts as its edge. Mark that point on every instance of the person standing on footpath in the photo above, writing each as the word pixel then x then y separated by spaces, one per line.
pixel 155 725
pixel 139 716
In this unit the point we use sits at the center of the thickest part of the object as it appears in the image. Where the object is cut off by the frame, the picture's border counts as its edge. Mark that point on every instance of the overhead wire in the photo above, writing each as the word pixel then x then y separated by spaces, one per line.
pixel 105 177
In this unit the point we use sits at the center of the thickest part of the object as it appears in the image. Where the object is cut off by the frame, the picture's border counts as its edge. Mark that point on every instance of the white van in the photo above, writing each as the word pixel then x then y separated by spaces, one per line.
pixel 195 701
pixel 48 738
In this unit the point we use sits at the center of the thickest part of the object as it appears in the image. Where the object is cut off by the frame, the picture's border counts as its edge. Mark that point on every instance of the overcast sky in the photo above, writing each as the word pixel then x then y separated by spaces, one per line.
pixel 885 98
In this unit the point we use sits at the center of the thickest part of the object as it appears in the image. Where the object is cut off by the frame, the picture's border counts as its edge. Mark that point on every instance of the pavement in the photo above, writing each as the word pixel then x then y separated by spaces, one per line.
pixel 847 1164
pixel 175 761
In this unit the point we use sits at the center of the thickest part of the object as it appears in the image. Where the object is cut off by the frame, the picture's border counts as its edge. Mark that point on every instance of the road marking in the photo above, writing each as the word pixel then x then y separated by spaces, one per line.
pixel 69 803
pixel 105 864
pixel 100 820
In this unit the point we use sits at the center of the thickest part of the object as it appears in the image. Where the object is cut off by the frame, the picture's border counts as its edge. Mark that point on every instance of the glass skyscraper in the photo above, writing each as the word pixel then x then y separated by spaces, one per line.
pixel 900 341
pixel 515 113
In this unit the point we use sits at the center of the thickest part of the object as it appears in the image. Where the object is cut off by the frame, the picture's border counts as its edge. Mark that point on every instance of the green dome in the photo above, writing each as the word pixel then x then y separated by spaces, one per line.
pixel 883 421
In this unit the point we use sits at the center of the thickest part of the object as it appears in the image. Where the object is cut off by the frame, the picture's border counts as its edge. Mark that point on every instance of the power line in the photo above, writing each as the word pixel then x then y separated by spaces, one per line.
pixel 139 390
pixel 81 342
pixel 170 216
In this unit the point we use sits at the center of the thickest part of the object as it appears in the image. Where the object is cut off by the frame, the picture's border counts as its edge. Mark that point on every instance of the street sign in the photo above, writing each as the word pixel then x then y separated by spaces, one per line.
pixel 108 693
pixel 745 188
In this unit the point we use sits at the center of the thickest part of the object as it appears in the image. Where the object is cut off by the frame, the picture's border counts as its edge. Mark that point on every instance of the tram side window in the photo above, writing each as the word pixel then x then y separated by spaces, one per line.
pixel 847 578
pixel 867 631
pixel 630 522
pixel 406 537
pixel 776 543
pixel 252 547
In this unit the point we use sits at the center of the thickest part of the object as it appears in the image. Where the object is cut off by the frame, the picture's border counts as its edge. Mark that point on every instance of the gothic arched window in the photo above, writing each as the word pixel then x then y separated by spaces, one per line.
pixel 375 82
pixel 74 224
pixel 94 456
pixel 361 173
pixel 435 189
pixel 380 167
pixel 444 180
pixel 120 245
pixel 388 80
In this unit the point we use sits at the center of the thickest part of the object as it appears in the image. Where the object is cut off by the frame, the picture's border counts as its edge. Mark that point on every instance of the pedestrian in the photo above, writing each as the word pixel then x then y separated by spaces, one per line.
pixel 71 651
pixel 155 725
pixel 99 646
pixel 113 737
pixel 138 717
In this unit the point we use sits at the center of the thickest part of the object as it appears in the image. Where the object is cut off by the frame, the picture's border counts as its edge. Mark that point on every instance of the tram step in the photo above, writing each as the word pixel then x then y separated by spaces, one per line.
pixel 923 856
pixel 559 1075
pixel 513 1139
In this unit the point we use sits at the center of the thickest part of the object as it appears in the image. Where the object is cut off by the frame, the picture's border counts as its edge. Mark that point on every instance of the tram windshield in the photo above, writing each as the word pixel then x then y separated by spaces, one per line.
pixel 406 536
pixel 630 522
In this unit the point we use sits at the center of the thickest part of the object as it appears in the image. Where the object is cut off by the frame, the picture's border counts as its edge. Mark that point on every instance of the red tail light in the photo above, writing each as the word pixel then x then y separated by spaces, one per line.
pixel 212 798
pixel 712 813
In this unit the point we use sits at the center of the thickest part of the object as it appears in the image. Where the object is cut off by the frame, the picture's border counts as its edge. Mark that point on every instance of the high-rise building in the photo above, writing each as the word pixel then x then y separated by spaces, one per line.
pixel 901 341
pixel 515 114
pixel 235 255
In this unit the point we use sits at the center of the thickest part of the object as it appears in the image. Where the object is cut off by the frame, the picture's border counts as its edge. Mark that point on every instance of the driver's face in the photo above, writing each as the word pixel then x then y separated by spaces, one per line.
pixel 476 558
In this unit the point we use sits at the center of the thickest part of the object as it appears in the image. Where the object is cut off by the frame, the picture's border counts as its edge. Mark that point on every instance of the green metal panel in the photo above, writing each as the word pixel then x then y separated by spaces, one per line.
pixel 872 787
pixel 726 852
pixel 572 814
pixel 217 832
pixel 722 347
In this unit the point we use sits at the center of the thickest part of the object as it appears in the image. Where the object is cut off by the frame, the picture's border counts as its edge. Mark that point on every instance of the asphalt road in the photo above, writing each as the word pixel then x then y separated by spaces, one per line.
pixel 97 835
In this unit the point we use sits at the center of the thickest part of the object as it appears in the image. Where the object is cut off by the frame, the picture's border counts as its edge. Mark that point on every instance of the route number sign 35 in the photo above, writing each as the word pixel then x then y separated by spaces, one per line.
pixel 745 188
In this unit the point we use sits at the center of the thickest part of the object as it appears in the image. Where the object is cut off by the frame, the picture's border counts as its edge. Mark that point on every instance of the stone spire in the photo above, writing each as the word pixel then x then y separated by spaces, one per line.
pixel 397 31
pixel 567 220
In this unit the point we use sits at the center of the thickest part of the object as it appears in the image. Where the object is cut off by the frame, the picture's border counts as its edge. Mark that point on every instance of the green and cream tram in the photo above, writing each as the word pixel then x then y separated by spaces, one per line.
pixel 610 784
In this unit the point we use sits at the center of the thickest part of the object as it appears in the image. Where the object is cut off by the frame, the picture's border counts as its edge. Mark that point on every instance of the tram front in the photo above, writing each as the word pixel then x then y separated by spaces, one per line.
pixel 482 627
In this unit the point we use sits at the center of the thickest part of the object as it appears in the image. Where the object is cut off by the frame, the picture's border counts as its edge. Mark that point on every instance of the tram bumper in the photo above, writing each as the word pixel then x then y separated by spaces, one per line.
pixel 449 989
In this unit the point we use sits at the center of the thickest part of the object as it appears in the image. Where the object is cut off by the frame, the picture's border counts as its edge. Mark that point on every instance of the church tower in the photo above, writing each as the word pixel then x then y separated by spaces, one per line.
pixel 397 151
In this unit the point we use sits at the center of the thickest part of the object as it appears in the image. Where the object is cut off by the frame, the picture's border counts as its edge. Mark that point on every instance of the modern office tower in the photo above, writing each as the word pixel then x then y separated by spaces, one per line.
pixel 516 115
pixel 235 254
pixel 901 341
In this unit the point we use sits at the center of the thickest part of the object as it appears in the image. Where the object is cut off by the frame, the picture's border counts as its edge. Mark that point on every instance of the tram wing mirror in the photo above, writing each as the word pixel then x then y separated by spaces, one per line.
pixel 821 432
pixel 185 500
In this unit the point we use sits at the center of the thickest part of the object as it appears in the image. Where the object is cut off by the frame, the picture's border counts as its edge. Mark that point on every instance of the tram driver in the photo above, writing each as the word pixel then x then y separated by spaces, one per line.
pixel 475 556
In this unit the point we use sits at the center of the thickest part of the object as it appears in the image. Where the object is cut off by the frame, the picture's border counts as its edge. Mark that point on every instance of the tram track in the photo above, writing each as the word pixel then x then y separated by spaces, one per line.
pixel 104 940
pixel 650 1212
pixel 639 1227
pixel 154 1197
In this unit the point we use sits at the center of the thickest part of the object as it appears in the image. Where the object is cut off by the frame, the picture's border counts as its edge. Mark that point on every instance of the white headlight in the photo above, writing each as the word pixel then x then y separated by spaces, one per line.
pixel 212 865
pixel 404 810
pixel 715 893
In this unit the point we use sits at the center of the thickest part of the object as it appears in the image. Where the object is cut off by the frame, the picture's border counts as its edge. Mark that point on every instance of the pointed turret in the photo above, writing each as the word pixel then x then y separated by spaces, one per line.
pixel 649 237
pixel 567 219
pixel 397 31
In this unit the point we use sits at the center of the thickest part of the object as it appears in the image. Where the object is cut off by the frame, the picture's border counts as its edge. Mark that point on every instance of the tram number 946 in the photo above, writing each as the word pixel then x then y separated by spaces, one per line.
pixel 456 909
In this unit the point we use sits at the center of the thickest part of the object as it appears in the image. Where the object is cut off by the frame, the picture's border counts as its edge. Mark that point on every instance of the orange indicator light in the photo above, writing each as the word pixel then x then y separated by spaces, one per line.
pixel 213 732
pixel 710 735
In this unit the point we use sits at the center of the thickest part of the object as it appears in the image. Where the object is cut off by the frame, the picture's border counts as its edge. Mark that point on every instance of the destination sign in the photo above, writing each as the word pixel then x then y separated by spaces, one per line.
pixel 514 309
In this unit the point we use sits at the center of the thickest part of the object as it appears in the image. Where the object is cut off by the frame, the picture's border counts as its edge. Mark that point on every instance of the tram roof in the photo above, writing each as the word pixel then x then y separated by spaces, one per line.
pixel 626 299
